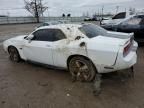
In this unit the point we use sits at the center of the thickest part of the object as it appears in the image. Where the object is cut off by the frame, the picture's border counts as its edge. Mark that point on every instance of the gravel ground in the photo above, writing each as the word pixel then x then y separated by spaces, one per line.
pixel 25 85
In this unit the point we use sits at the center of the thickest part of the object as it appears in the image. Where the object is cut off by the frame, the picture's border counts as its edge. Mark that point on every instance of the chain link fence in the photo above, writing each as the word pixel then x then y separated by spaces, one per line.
pixel 20 20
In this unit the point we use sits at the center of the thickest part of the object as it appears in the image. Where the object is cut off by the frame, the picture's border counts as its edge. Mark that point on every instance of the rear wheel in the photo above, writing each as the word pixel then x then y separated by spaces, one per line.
pixel 81 69
pixel 13 54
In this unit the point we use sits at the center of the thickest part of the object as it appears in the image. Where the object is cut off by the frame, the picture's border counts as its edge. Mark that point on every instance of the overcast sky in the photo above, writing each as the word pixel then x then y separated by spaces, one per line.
pixel 75 7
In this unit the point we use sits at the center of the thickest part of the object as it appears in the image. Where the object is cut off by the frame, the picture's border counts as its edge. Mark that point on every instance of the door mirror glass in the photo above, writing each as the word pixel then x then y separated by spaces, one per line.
pixel 121 15
pixel 30 36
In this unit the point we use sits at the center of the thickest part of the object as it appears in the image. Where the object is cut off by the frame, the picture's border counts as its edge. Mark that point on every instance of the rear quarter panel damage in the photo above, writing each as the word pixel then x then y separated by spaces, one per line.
pixel 102 53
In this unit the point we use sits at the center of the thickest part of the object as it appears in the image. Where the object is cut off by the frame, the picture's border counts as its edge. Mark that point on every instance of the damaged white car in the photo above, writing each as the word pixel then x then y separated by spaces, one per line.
pixel 83 49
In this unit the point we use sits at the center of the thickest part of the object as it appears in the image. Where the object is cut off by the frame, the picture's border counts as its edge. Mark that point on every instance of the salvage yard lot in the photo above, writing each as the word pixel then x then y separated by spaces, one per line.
pixel 25 85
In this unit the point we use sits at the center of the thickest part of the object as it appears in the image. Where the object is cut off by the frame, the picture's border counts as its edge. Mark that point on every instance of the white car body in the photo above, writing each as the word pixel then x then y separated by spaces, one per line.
pixel 115 21
pixel 105 52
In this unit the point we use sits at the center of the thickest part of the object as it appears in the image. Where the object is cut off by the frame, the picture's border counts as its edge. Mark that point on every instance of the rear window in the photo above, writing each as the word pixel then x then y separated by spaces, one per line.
pixel 91 30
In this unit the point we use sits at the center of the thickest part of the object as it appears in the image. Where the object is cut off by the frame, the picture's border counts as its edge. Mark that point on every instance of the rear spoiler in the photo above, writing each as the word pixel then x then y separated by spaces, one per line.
pixel 119 35
pixel 131 39
pixel 131 35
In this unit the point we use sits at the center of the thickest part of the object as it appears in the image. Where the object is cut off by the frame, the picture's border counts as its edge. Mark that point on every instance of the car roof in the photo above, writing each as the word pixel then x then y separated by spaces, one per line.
pixel 130 17
pixel 66 28
pixel 51 22
pixel 57 21
pixel 59 26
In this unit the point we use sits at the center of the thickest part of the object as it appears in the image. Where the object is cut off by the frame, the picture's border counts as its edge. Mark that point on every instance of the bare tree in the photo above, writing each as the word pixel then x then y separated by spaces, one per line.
pixel 35 7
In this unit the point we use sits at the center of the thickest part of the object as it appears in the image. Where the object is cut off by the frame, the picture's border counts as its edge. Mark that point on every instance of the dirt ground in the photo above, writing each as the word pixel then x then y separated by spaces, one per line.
pixel 25 85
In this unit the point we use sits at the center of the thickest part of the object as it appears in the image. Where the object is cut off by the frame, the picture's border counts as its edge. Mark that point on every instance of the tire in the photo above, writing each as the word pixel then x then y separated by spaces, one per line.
pixel 81 69
pixel 13 54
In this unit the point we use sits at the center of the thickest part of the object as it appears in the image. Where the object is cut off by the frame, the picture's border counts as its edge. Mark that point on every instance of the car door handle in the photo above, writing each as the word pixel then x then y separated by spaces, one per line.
pixel 48 46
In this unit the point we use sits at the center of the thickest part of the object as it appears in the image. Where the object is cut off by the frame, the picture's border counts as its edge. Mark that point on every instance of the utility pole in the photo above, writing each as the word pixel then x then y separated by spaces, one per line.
pixel 41 7
pixel 125 9
pixel 102 14
pixel 48 13
pixel 102 11
pixel 117 9
pixel 87 14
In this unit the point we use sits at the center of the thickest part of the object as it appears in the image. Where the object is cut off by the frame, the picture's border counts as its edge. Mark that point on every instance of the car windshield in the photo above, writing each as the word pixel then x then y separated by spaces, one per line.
pixel 91 30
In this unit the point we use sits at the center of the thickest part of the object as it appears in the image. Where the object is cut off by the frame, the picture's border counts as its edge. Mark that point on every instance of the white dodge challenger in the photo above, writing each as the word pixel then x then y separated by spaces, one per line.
pixel 83 49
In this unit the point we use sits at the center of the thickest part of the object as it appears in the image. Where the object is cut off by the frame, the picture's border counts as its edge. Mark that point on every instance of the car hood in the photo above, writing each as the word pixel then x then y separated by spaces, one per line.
pixel 16 40
pixel 21 37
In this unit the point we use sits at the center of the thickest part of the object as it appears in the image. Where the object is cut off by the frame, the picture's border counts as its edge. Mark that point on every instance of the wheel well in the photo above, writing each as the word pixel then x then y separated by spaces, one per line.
pixel 10 47
pixel 70 57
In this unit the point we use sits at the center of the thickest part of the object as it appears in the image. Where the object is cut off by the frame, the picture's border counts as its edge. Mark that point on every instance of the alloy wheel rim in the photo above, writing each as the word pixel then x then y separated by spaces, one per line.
pixel 80 70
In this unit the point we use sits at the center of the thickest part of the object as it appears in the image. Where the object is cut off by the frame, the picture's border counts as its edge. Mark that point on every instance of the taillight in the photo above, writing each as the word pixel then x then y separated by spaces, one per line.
pixel 127 49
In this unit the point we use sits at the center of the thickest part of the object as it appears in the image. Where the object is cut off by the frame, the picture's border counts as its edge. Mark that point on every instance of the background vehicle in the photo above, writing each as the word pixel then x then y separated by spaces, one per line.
pixel 133 24
pixel 91 19
pixel 116 18
pixel 54 23
pixel 87 19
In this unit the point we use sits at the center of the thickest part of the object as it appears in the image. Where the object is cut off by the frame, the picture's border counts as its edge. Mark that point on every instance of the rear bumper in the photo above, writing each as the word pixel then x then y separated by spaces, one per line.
pixel 126 62
pixel 121 64
pixel 129 60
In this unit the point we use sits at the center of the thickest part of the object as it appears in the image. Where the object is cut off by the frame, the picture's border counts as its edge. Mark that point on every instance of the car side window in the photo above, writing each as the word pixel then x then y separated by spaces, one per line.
pixel 43 35
pixel 120 16
pixel 58 35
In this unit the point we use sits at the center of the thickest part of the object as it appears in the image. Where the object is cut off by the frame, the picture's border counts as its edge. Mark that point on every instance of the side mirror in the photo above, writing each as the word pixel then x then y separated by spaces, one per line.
pixel 30 37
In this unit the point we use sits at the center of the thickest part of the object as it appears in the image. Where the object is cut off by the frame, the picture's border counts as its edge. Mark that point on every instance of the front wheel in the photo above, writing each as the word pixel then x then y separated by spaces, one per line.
pixel 81 69
pixel 13 54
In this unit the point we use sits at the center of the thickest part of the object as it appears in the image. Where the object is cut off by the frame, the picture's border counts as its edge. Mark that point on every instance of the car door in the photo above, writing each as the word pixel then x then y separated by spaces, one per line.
pixel 131 25
pixel 39 48
pixel 140 33
pixel 60 48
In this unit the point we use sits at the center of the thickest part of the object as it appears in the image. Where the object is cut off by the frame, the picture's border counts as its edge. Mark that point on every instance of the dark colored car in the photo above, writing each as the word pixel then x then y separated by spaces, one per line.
pixel 91 19
pixel 133 24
